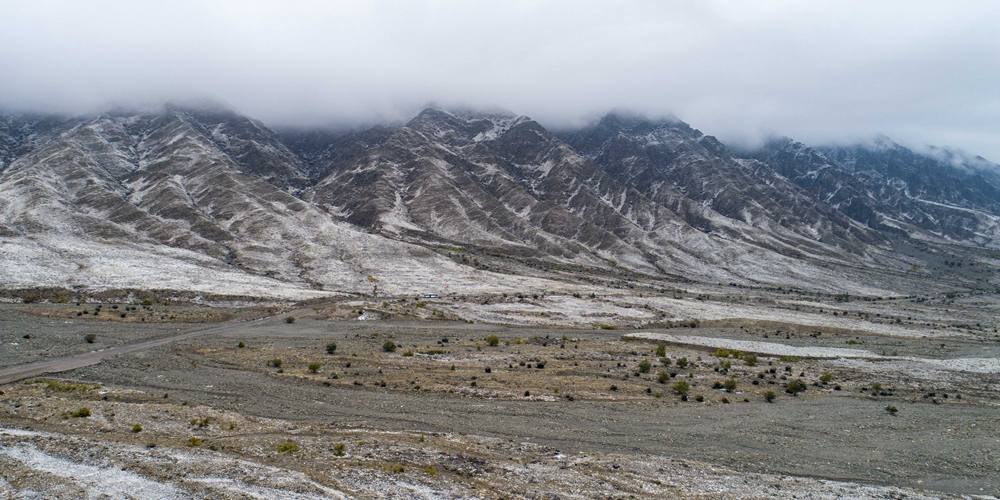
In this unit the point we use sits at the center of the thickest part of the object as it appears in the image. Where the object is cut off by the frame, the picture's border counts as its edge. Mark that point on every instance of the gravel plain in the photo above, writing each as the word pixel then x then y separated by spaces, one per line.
pixel 482 435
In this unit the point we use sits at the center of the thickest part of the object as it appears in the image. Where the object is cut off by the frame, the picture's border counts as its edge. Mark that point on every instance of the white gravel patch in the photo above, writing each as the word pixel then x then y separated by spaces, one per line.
pixel 763 348
pixel 98 482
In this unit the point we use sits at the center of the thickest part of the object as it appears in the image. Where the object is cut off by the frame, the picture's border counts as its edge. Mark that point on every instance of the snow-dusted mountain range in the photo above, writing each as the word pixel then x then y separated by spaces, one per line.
pixel 208 200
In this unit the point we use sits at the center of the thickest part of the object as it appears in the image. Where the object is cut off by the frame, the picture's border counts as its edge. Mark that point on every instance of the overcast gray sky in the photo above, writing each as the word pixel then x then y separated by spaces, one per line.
pixel 921 72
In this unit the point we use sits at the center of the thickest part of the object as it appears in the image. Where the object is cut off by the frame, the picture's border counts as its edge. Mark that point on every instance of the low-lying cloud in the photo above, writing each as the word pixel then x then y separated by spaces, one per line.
pixel 820 71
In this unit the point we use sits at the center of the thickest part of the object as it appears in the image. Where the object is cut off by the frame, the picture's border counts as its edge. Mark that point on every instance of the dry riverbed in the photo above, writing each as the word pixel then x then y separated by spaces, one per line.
pixel 447 409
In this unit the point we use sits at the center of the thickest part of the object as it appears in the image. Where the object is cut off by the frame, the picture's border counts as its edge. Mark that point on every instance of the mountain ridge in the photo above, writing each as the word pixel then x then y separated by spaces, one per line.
pixel 655 197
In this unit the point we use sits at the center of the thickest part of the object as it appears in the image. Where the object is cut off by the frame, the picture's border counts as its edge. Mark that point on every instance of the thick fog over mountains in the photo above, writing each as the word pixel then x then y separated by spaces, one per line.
pixel 823 72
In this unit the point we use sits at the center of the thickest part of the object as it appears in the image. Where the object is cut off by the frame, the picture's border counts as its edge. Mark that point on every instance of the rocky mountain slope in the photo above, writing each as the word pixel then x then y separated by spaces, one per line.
pixel 942 195
pixel 201 188
pixel 502 183
pixel 207 199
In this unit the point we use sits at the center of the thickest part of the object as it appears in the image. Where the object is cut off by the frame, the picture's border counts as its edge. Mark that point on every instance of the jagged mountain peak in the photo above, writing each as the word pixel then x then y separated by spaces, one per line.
pixel 466 124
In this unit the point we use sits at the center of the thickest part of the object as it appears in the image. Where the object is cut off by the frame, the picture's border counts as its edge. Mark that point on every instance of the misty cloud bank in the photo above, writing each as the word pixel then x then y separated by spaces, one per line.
pixel 825 71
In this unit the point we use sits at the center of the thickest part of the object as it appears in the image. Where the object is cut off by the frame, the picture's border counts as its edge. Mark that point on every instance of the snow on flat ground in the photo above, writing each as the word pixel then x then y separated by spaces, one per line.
pixel 857 356
pixel 749 346
pixel 68 262
pixel 52 261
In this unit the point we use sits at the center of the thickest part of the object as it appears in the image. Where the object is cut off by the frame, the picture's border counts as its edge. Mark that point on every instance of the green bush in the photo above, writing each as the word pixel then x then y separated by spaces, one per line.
pixel 661 350
pixel 83 412
pixel 408 353
pixel 90 338
pixel 241 345
pixel 891 409
pixel 682 363
pixel 389 346
pixel 314 367
pixel 287 447
pixel 136 428
pixel 722 353
pixel 194 442
pixel 276 363
pixel 331 348
pixel 795 386
pixel 665 361
pixel 290 320
pixel 826 377
pixel 338 449
pixel 493 340
pixel 729 385
pixel 662 377
pixel 644 366
pixel 769 396
pixel 682 387
pixel 750 359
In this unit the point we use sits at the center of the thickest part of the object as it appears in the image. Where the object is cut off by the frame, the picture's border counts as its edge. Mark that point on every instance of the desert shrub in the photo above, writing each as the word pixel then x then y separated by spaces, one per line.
pixel 83 412
pixel 725 401
pixel 725 365
pixel 136 428
pixel 290 320
pixel 665 361
pixel 789 359
pixel 644 366
pixel 750 359
pixel 60 386
pixel 408 353
pixel 194 442
pixel 607 327
pixel 338 449
pixel 826 377
pixel 421 304
pixel 331 348
pixel 662 377
pixel 729 385
pixel 527 393
pixel 699 398
pixel 314 367
pixel 431 471
pixel 661 351
pixel 241 345
pixel 682 387
pixel 682 363
pixel 737 354
pixel 891 409
pixel 716 385
pixel 795 386
pixel 276 363
pixel 389 346
pixel 876 386
pixel 90 338
pixel 493 340
pixel 769 396
pixel 287 447
pixel 722 353
pixel 613 388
